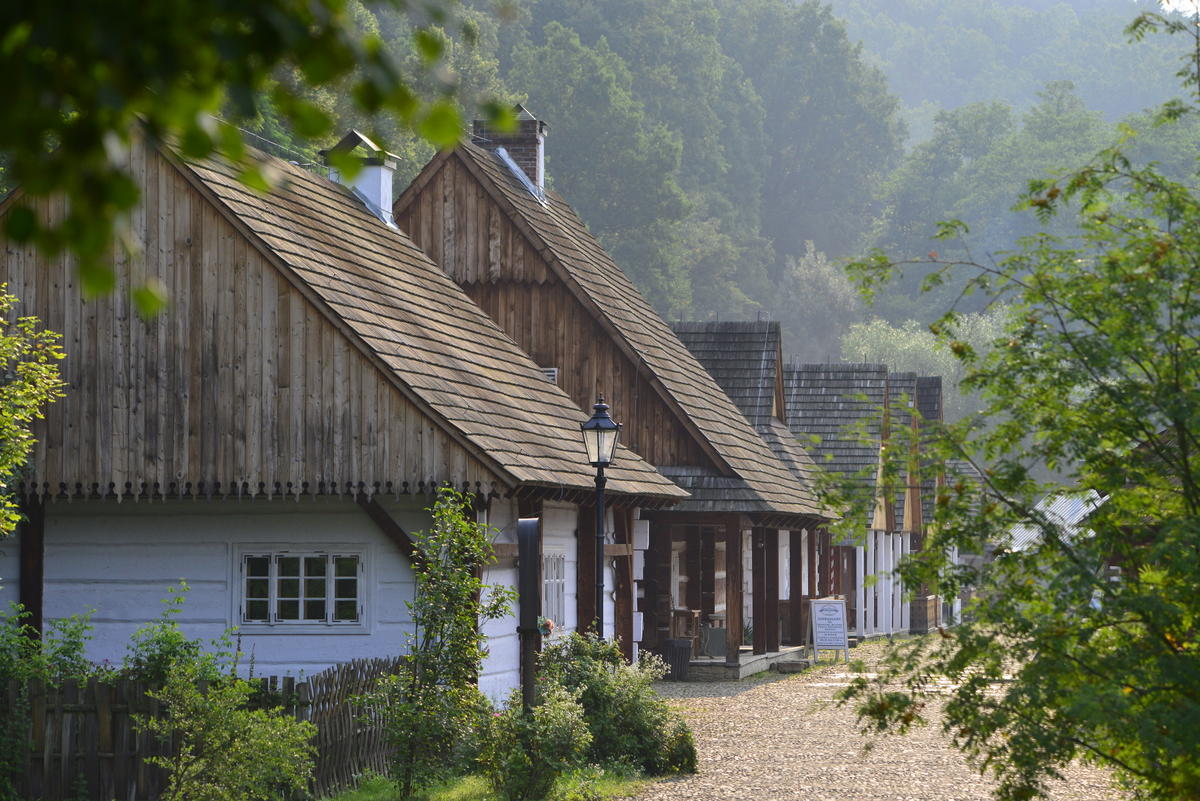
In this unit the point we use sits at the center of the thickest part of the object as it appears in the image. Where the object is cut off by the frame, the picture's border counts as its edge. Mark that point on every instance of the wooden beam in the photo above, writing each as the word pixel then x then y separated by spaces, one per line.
pixel 813 565
pixel 585 568
pixel 660 544
pixel 691 540
pixel 623 614
pixel 733 590
pixel 770 581
pixel 758 590
pixel 708 572
pixel 390 528
pixel 31 532
pixel 798 619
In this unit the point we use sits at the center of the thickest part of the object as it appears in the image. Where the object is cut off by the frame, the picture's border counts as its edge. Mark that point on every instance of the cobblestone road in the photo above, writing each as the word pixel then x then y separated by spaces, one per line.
pixel 786 738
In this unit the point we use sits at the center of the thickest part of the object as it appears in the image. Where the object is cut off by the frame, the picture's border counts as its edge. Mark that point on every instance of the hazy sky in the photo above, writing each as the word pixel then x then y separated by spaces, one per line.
pixel 1181 5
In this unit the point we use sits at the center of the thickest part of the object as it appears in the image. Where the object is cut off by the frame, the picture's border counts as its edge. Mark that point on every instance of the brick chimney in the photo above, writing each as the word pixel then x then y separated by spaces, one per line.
pixel 524 147
pixel 373 182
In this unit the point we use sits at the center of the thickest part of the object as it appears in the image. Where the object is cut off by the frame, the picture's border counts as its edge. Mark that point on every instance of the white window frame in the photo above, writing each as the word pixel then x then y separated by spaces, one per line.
pixel 554 588
pixel 277 626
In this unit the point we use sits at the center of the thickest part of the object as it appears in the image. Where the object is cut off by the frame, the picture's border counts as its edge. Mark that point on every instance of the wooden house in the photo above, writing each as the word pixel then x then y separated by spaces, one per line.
pixel 274 436
pixel 746 361
pixel 849 409
pixel 482 212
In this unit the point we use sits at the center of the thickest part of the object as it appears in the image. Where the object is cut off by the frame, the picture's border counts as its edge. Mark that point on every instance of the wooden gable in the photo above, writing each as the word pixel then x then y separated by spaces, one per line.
pixel 462 228
pixel 241 386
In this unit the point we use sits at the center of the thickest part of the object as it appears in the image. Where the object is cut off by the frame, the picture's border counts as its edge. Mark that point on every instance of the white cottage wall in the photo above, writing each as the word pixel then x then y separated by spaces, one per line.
pixel 10 572
pixel 121 559
pixel 502 666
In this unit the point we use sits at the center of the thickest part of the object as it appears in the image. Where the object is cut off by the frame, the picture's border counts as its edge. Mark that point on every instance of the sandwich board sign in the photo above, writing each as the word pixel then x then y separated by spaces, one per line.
pixel 828 616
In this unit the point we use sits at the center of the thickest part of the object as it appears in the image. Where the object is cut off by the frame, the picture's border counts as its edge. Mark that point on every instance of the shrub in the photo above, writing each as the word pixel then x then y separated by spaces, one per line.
pixel 629 722
pixel 54 658
pixel 224 751
pixel 432 706
pixel 526 752
pixel 157 647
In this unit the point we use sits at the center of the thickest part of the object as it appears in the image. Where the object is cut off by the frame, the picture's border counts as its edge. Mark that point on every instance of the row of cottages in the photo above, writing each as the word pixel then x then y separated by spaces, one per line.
pixel 274 438
pixel 845 410
pixel 482 211
pixel 849 410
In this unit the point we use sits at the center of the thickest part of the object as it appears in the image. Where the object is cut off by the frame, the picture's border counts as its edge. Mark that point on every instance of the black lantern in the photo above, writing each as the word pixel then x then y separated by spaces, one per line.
pixel 600 435
pixel 600 438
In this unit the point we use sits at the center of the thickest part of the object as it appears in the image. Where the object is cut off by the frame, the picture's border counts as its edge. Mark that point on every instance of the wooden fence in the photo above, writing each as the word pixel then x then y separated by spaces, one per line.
pixel 83 743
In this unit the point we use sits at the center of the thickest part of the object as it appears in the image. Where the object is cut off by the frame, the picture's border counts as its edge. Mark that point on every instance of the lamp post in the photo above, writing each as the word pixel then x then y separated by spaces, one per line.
pixel 600 438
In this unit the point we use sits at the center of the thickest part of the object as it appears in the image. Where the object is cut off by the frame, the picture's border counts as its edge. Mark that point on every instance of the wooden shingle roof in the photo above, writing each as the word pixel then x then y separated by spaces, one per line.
pixel 757 481
pixel 829 401
pixel 418 326
pixel 745 359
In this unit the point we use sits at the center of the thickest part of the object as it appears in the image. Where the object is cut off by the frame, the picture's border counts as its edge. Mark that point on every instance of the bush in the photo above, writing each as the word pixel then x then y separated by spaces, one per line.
pixel 53 658
pixel 433 707
pixel 629 722
pixel 525 752
pixel 224 751
pixel 157 647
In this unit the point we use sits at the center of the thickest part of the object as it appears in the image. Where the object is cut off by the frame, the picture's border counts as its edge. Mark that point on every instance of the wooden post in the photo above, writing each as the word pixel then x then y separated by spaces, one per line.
pixel 32 534
pixel 798 619
pixel 733 590
pixel 623 607
pixel 529 588
pixel 708 572
pixel 585 568
pixel 828 587
pixel 660 543
pixel 770 582
pixel 691 539
pixel 813 565
pixel 758 587
pixel 860 596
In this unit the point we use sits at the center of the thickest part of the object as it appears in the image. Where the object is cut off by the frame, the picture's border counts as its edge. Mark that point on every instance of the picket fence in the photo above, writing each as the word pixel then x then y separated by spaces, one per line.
pixel 83 744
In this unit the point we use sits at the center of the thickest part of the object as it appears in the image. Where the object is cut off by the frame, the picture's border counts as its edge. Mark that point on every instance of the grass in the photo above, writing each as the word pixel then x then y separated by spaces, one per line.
pixel 578 786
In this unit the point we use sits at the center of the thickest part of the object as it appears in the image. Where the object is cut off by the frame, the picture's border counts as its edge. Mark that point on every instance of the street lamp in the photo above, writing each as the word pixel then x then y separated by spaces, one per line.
pixel 600 438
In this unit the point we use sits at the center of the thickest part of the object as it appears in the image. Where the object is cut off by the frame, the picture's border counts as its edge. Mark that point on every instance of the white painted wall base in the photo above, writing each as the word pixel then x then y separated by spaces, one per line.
pixel 120 559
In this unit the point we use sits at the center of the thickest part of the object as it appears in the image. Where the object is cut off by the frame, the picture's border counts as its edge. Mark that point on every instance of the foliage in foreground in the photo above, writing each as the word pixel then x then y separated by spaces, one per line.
pixel 29 379
pixel 630 723
pixel 1085 645
pixel 224 750
pixel 433 708
pixel 75 95
pixel 586 784
pixel 525 752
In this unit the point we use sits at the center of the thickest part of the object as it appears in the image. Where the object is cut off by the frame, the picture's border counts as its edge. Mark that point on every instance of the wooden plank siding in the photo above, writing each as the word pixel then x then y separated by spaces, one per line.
pixel 517 289
pixel 241 383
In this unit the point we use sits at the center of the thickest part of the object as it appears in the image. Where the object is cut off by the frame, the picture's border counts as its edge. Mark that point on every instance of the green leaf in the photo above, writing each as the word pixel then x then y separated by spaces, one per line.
pixel 430 46
pixel 500 116
pixel 253 177
pixel 16 36
pixel 150 298
pixel 441 125
pixel 22 224
pixel 96 279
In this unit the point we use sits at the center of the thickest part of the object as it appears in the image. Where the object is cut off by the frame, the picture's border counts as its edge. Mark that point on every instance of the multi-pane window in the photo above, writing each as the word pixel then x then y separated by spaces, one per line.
pixel 554 587
pixel 301 588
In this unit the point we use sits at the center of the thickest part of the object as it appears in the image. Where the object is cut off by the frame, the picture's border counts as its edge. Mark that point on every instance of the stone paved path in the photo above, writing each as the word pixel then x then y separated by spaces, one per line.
pixel 776 738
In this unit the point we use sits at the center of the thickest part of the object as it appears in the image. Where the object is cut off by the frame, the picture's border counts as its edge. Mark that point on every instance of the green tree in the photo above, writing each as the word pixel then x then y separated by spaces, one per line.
pixel 913 347
pixel 433 708
pixel 74 93
pixel 1085 645
pixel 833 127
pixel 619 167
pixel 29 379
